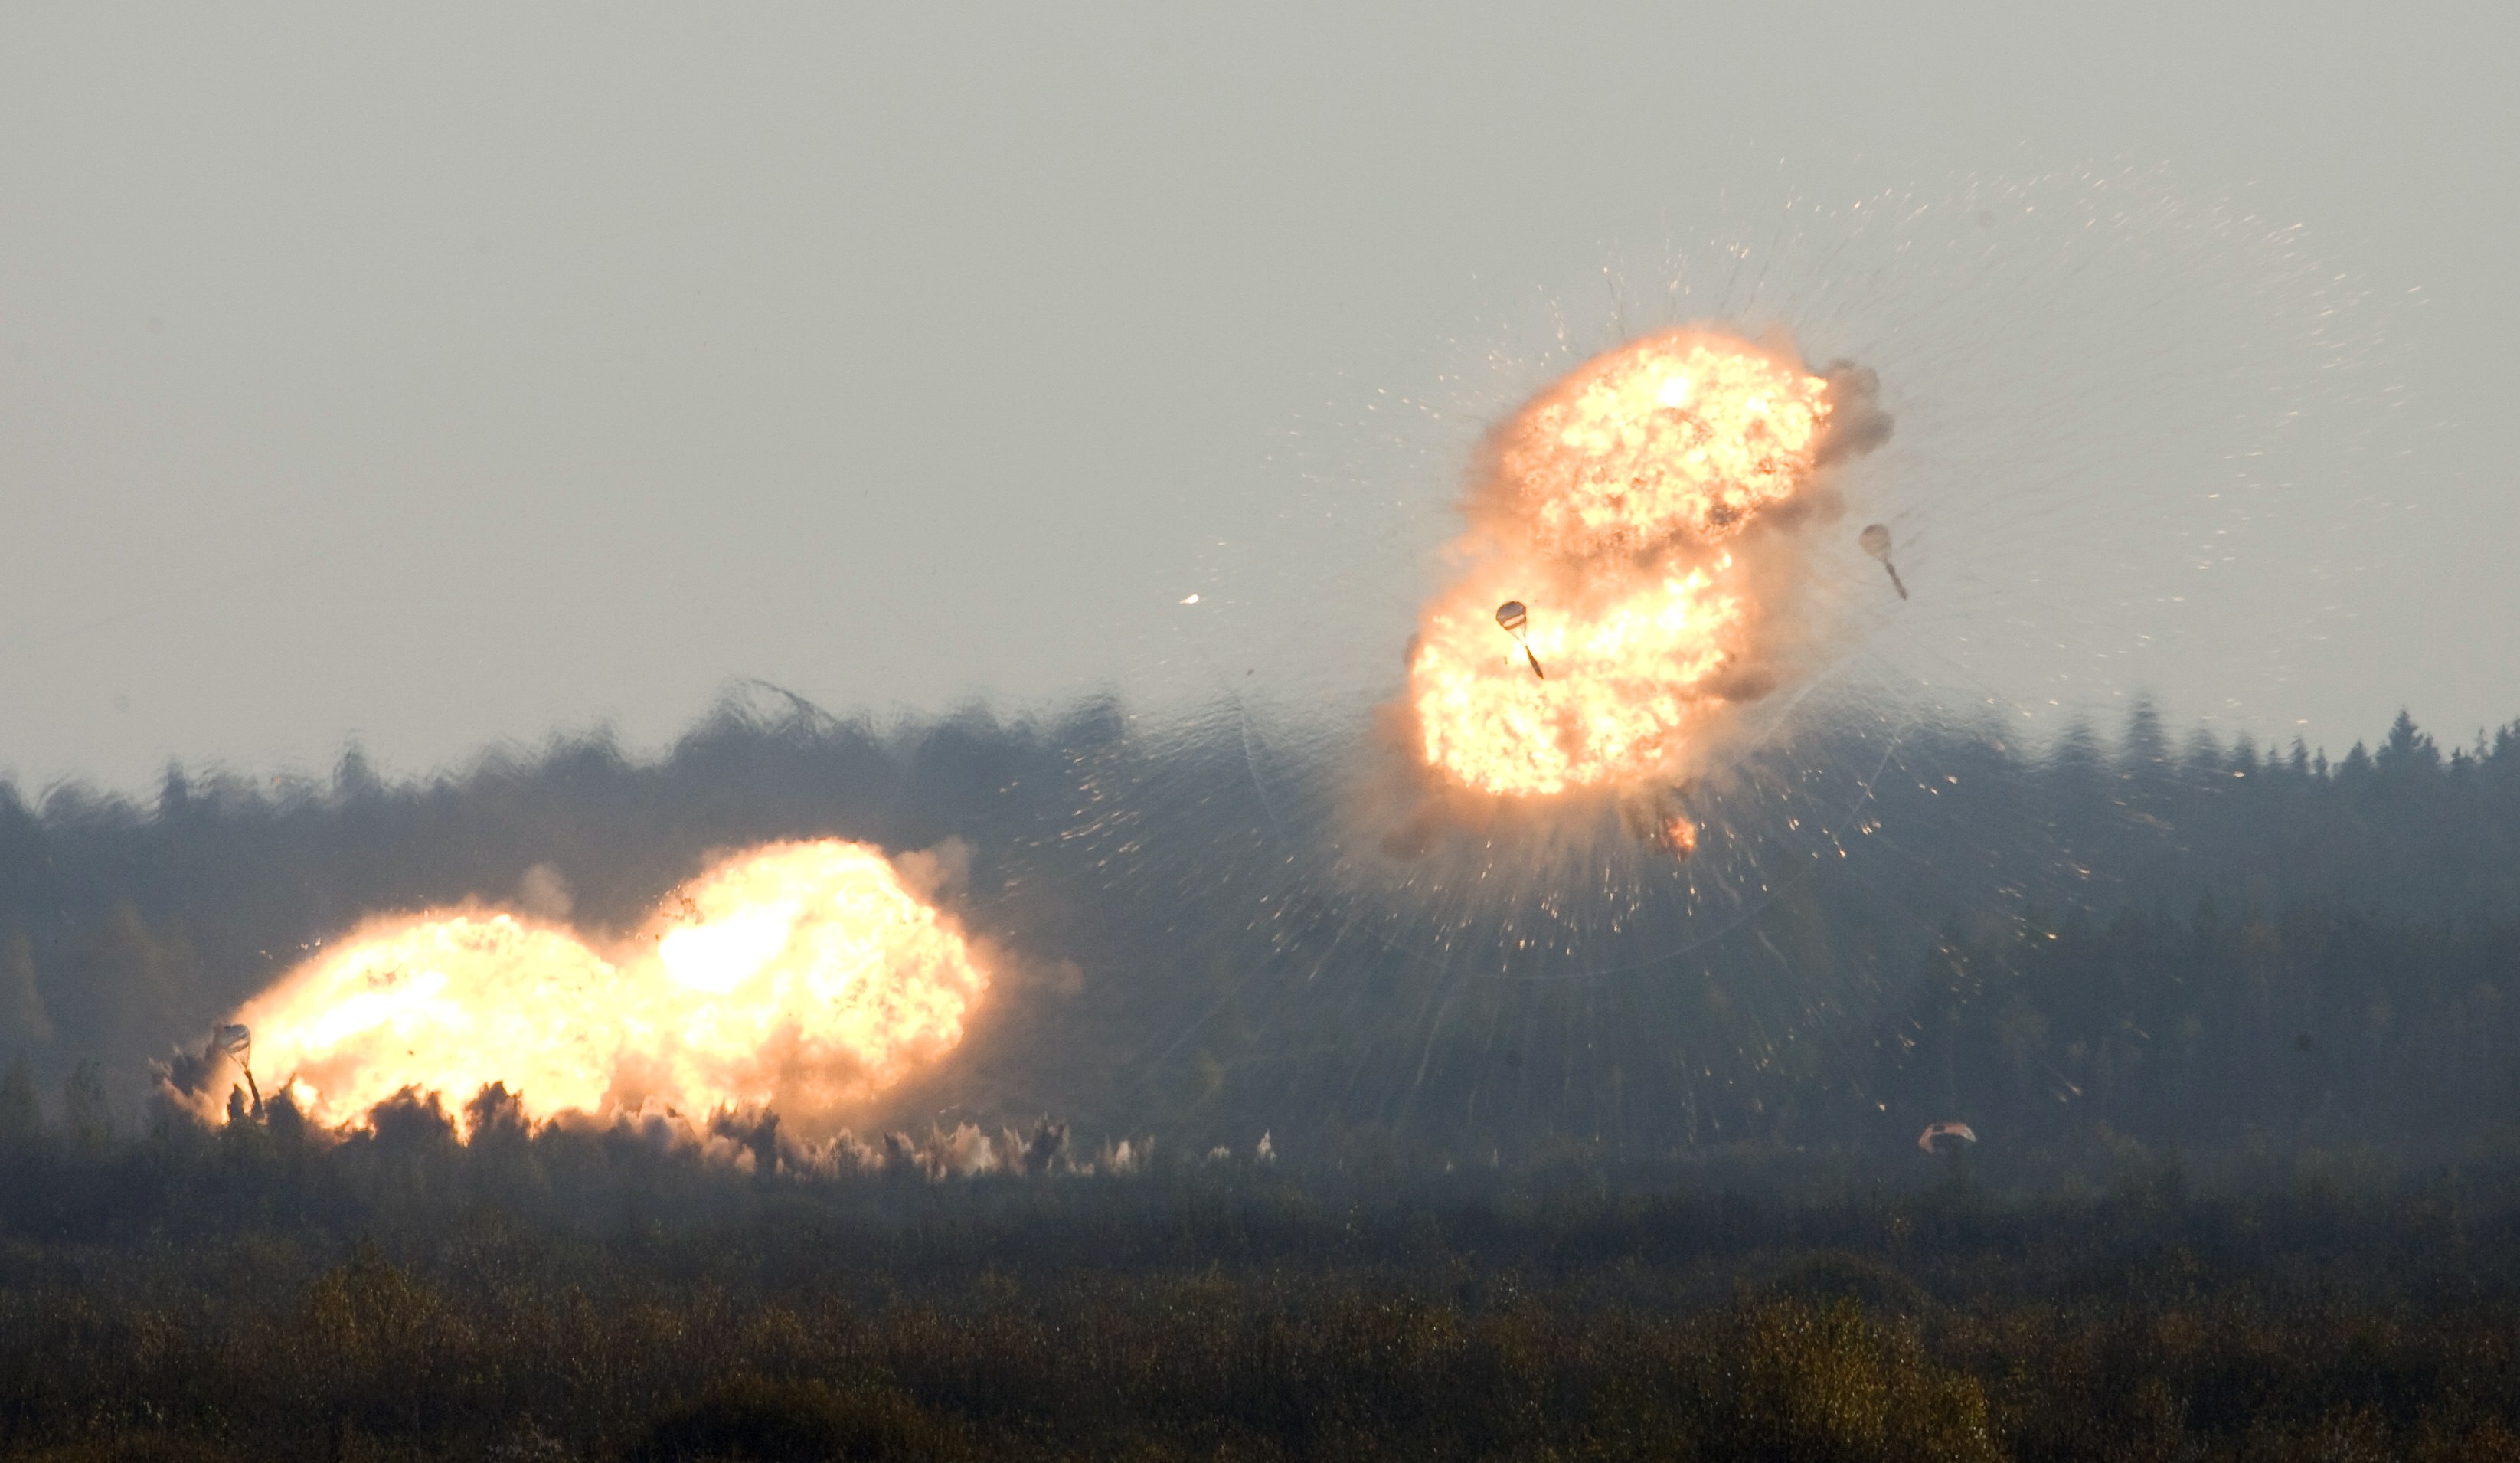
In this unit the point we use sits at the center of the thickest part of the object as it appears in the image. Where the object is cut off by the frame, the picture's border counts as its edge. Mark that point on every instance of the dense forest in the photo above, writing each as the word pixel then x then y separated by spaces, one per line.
pixel 2208 944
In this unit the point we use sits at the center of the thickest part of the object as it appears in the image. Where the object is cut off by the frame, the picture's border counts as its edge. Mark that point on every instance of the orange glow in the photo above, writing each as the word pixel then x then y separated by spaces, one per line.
pixel 1634 507
pixel 804 977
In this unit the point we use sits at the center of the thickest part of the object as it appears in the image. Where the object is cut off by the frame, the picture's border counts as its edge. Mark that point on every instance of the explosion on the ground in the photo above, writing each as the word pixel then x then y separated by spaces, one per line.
pixel 1651 512
pixel 806 978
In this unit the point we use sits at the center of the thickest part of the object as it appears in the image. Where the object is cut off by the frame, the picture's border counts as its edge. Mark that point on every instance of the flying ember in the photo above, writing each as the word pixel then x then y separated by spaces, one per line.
pixel 1642 524
pixel 804 977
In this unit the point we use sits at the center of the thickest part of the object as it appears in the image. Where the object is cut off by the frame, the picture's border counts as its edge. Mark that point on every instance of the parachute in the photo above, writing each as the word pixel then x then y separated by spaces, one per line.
pixel 1512 617
pixel 1875 540
pixel 237 1042
pixel 1933 1130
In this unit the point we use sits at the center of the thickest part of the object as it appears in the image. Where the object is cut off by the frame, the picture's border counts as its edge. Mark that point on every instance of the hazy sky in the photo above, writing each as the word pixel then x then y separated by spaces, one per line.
pixel 444 373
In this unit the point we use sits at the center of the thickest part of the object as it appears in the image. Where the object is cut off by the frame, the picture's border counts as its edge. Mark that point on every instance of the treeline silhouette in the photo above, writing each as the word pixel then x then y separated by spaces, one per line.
pixel 2210 944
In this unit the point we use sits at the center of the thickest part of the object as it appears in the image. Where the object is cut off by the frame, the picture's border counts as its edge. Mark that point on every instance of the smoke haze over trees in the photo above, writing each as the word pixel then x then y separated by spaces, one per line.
pixel 2202 942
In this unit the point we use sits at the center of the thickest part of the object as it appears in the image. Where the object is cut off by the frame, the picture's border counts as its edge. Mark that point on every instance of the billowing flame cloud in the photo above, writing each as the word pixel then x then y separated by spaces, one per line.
pixel 1649 510
pixel 803 976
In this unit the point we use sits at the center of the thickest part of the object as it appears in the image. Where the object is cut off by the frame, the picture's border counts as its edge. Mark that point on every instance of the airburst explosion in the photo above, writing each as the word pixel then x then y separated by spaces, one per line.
pixel 1644 520
pixel 804 977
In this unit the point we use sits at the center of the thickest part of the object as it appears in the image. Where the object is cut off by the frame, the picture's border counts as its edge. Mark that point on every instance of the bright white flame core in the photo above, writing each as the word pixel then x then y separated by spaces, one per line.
pixel 803 976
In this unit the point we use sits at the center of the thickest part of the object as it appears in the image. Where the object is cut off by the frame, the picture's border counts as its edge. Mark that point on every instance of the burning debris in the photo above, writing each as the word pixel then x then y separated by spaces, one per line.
pixel 1957 1132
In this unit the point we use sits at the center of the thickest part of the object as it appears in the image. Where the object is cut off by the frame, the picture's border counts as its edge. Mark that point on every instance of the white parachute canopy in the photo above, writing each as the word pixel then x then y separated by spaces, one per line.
pixel 1875 540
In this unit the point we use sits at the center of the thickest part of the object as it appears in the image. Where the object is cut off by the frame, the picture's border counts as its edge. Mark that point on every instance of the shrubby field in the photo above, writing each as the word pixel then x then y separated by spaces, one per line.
pixel 259 1294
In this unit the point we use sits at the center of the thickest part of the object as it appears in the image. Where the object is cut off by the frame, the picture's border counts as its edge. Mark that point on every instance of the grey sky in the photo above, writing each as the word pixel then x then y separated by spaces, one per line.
pixel 445 374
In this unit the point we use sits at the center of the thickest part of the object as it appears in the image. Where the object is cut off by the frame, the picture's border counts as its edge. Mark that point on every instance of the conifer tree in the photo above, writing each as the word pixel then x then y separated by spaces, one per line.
pixel 22 1116
pixel 88 1115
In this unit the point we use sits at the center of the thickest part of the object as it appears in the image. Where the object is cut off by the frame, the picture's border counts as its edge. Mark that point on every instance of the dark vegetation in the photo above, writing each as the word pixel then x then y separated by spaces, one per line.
pixel 253 1293
pixel 2237 1032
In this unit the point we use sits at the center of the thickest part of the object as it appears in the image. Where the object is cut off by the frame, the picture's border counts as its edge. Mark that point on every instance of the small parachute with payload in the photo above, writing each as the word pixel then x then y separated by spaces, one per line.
pixel 236 1042
pixel 1512 617
pixel 1875 540
pixel 1933 1130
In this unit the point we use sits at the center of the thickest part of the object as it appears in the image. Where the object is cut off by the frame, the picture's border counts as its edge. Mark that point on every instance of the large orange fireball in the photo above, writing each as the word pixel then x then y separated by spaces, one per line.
pixel 804 977
pixel 1644 511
